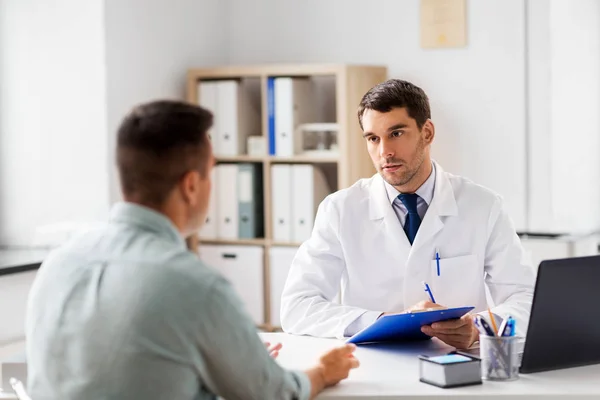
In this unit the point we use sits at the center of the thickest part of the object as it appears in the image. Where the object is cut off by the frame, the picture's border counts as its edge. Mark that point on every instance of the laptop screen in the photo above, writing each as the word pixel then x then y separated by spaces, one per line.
pixel 564 327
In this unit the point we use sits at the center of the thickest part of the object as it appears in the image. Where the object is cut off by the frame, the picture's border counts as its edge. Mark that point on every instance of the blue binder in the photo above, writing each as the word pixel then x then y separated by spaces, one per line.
pixel 405 327
pixel 271 114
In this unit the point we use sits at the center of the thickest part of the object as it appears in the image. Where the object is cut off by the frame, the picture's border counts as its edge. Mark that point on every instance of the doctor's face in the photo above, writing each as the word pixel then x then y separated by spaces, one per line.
pixel 398 148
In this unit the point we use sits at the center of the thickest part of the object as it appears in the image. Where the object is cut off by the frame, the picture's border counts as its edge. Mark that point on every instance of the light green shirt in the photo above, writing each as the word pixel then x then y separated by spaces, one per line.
pixel 127 312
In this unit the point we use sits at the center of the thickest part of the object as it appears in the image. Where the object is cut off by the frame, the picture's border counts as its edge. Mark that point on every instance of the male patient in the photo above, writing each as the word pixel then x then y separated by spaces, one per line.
pixel 127 312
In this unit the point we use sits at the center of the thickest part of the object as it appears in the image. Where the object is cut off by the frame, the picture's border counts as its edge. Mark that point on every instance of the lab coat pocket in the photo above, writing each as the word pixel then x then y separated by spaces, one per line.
pixel 457 284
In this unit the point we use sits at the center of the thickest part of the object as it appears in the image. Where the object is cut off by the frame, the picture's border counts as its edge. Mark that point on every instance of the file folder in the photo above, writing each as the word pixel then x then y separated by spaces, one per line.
pixel 227 201
pixel 207 98
pixel 271 114
pixel 242 266
pixel 293 106
pixel 406 326
pixel 309 188
pixel 237 118
pixel 281 199
pixel 250 203
pixel 210 228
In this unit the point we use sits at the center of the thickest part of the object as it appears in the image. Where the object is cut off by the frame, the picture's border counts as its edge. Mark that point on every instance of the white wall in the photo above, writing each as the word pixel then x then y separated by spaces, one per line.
pixel 52 131
pixel 564 85
pixel 69 71
pixel 149 46
pixel 477 93
pixel 575 112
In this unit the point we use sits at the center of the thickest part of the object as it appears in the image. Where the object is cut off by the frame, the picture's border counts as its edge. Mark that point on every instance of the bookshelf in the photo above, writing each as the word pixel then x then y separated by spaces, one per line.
pixel 343 85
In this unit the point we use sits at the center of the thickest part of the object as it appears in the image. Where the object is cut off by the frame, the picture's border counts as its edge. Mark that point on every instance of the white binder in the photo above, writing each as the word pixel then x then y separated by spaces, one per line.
pixel 210 228
pixel 280 260
pixel 207 98
pixel 309 188
pixel 237 118
pixel 281 199
pixel 227 201
pixel 242 266
pixel 293 106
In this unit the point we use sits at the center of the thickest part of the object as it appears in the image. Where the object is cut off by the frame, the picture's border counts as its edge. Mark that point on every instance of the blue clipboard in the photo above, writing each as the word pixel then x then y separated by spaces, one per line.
pixel 405 327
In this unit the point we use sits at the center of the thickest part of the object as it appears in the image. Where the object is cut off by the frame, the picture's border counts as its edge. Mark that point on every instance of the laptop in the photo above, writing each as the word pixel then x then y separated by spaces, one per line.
pixel 564 326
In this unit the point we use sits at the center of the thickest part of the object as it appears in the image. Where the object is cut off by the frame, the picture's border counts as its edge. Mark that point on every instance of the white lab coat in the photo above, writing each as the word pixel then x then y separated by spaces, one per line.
pixel 359 251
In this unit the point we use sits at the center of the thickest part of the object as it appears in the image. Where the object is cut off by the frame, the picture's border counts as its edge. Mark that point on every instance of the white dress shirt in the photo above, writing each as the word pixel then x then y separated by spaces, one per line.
pixel 425 193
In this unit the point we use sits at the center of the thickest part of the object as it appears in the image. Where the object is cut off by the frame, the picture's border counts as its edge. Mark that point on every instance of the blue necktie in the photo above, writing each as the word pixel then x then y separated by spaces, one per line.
pixel 413 221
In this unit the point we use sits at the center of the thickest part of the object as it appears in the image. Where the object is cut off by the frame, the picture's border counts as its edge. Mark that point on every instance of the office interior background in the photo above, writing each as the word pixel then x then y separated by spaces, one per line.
pixel 516 109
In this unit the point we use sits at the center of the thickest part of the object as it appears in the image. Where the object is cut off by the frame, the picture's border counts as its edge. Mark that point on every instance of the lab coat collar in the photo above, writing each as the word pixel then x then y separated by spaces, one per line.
pixel 443 203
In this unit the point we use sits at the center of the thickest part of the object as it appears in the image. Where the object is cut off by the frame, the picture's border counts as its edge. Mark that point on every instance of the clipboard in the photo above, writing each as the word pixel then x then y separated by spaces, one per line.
pixel 405 327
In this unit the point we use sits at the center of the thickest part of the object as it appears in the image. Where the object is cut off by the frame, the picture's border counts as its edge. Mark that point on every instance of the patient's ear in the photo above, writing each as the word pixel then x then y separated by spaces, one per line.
pixel 189 186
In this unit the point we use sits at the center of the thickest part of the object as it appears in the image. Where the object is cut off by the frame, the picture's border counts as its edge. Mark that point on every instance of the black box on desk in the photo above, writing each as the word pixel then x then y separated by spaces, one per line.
pixel 450 370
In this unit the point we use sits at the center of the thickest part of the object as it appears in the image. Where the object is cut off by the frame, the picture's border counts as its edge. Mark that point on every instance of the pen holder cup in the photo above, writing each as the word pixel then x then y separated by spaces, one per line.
pixel 499 358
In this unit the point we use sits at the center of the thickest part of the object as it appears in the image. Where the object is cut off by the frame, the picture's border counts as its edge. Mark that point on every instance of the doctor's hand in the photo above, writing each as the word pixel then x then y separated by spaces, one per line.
pixel 420 306
pixel 460 333
pixel 424 305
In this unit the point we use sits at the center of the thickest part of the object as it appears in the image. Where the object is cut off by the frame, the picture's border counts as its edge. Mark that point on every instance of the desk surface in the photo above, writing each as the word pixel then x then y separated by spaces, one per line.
pixel 20 260
pixel 391 372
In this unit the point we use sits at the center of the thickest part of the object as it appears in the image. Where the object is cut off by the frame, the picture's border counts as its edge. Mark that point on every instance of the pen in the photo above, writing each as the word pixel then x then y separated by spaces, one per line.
pixel 503 327
pixel 428 290
pixel 483 326
pixel 493 321
pixel 437 261
pixel 509 328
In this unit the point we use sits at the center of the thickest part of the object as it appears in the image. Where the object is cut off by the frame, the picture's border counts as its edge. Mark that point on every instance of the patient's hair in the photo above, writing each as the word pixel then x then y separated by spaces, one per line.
pixel 395 93
pixel 157 144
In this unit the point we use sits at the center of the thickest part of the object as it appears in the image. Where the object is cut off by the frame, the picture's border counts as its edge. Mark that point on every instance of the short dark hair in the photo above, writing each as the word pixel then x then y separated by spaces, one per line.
pixel 157 143
pixel 396 93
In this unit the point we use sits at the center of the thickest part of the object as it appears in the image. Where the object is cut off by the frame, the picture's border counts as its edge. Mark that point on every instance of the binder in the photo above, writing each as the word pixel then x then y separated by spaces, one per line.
pixel 227 201
pixel 250 204
pixel 280 261
pixel 271 114
pixel 207 98
pixel 210 228
pixel 293 106
pixel 308 191
pixel 237 118
pixel 406 326
pixel 242 266
pixel 281 199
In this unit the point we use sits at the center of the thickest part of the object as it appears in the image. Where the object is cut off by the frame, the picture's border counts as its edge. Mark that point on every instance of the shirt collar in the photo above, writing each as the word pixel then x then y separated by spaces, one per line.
pixel 425 191
pixel 146 219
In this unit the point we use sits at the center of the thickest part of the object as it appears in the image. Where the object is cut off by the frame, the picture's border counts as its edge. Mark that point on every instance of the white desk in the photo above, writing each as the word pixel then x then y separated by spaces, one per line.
pixel 391 372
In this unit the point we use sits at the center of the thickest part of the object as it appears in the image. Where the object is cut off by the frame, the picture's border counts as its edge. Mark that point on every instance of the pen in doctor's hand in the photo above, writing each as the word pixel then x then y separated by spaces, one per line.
pixel 428 290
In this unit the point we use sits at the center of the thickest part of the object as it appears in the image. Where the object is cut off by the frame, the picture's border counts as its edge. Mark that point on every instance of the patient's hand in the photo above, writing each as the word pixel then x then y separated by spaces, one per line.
pixel 273 350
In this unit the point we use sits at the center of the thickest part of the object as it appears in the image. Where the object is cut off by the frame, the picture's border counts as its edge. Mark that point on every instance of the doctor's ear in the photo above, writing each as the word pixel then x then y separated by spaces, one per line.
pixel 428 131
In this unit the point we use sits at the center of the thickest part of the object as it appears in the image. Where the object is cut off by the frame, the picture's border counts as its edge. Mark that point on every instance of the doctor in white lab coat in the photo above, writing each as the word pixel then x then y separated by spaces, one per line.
pixel 375 242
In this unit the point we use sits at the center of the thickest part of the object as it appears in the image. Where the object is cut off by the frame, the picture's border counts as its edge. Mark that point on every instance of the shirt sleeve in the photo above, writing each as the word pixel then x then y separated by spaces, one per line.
pixel 237 364
pixel 366 319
